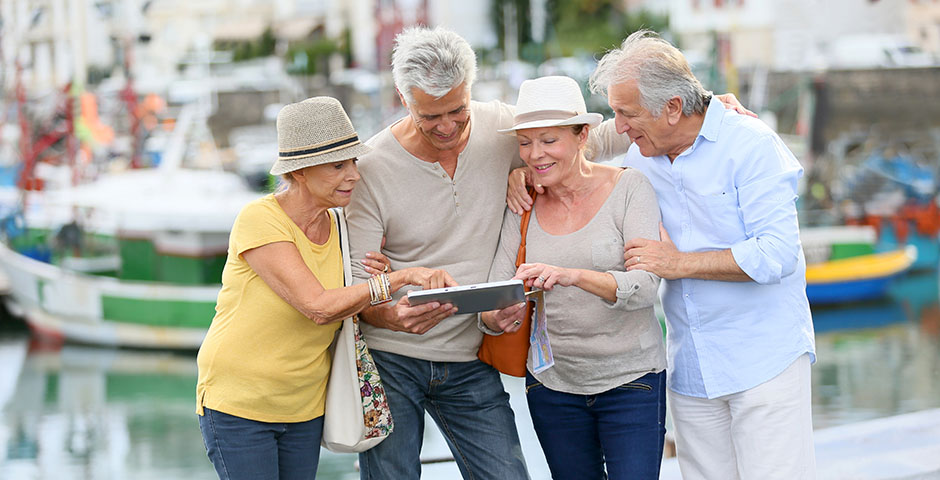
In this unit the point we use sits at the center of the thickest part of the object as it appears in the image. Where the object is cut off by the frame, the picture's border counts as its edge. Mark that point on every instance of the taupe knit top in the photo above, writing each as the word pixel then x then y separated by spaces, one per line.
pixel 597 345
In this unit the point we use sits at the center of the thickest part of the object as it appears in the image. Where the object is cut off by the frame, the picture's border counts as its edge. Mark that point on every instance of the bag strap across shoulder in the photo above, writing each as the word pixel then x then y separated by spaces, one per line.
pixel 340 219
pixel 508 352
pixel 524 227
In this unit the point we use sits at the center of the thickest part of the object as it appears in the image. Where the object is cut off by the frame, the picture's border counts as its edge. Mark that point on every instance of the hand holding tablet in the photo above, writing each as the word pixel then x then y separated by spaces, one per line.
pixel 479 297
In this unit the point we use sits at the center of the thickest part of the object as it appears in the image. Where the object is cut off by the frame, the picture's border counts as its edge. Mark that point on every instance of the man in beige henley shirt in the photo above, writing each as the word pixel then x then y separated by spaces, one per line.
pixel 435 188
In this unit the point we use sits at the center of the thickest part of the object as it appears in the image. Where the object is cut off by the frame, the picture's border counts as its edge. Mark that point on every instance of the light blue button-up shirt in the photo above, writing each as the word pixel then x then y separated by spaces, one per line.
pixel 735 187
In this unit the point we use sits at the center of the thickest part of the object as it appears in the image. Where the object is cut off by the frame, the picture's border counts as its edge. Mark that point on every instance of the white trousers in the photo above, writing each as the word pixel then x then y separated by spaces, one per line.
pixel 764 433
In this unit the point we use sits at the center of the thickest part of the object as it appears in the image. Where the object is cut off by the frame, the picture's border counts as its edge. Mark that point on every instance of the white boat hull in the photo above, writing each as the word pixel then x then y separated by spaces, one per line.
pixel 106 311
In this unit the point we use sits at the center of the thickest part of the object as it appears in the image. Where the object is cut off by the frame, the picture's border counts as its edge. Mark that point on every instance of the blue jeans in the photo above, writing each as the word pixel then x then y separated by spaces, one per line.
pixel 622 428
pixel 247 449
pixel 469 405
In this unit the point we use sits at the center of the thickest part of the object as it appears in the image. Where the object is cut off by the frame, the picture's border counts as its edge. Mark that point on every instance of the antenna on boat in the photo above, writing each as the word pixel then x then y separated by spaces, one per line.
pixel 31 151
pixel 129 96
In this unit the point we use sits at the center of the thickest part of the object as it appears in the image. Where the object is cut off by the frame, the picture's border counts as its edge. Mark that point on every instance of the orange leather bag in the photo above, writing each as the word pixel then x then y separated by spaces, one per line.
pixel 508 352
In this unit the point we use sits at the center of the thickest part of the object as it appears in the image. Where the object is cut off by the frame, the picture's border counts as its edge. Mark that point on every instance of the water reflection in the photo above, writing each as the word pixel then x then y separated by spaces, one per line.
pixel 879 359
pixel 91 413
pixel 88 413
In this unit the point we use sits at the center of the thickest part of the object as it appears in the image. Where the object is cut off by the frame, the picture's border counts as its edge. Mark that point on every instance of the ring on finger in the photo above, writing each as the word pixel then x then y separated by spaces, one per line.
pixel 385 268
pixel 517 323
pixel 541 279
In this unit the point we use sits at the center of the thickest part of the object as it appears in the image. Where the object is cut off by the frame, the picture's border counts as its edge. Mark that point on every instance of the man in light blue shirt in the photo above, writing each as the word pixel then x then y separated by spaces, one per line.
pixel 740 336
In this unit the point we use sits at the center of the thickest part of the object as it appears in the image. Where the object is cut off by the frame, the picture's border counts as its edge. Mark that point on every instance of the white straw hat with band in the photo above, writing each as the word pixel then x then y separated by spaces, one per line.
pixel 551 102
pixel 313 132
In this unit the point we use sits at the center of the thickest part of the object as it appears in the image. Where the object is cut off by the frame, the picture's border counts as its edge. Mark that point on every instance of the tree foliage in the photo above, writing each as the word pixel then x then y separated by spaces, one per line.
pixel 311 56
pixel 574 27
pixel 498 11
pixel 262 46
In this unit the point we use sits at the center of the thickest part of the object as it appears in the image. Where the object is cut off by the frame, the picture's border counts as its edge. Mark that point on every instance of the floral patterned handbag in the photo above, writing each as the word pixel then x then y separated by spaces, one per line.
pixel 357 416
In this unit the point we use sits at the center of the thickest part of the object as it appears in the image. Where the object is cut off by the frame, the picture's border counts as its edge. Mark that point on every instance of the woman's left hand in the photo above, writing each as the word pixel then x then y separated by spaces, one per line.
pixel 540 275
pixel 507 320
pixel 376 263
pixel 730 101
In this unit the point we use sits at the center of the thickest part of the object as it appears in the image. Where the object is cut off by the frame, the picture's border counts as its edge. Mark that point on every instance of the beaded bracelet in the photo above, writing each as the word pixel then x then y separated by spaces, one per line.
pixel 380 290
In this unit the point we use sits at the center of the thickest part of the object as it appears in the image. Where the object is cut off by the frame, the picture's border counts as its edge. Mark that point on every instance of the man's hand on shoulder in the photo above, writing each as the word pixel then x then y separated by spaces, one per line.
pixel 517 197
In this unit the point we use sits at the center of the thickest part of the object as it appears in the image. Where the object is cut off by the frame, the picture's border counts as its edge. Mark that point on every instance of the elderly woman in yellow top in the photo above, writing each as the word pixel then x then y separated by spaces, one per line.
pixel 264 364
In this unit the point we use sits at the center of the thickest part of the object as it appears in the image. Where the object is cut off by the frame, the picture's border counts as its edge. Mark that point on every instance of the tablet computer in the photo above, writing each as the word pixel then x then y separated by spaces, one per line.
pixel 479 297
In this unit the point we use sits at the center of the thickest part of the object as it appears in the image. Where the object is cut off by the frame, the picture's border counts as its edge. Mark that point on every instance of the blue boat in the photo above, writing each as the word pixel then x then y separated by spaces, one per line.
pixel 853 279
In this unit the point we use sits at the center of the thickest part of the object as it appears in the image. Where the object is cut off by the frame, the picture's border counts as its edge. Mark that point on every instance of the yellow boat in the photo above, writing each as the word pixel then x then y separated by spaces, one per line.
pixel 856 278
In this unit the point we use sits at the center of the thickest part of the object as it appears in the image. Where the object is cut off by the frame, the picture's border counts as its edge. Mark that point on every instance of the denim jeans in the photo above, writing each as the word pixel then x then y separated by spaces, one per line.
pixel 469 405
pixel 622 428
pixel 247 449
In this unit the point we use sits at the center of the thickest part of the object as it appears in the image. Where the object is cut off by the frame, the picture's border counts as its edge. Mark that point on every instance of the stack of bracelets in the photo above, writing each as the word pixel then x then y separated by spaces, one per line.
pixel 380 289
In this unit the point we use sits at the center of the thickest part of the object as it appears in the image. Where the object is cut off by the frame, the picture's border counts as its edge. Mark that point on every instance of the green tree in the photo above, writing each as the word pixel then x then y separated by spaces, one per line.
pixel 584 26
pixel 595 26
pixel 522 26
pixel 266 43
pixel 262 46
pixel 311 56
pixel 574 27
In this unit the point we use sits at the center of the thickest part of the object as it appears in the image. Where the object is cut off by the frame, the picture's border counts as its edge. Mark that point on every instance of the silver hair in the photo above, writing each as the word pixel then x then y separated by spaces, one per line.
pixel 660 70
pixel 433 60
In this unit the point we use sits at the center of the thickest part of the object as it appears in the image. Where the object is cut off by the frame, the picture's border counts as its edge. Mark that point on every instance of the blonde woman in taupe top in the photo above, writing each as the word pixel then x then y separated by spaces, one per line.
pixel 602 405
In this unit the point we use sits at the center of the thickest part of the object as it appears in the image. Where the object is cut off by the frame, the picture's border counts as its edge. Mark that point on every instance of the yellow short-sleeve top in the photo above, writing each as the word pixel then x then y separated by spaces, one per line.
pixel 262 359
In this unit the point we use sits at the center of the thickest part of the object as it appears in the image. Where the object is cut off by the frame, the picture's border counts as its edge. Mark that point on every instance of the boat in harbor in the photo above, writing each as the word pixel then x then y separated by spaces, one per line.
pixel 822 244
pixel 143 268
pixel 856 278
pixel 122 256
pixel 845 263
pixel 897 193
pixel 913 224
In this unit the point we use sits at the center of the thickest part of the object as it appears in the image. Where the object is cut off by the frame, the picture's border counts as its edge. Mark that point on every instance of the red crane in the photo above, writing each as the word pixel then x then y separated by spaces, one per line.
pixel 62 126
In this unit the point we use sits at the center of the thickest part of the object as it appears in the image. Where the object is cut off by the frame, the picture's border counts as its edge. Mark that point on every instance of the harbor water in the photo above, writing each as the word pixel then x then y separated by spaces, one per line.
pixel 89 413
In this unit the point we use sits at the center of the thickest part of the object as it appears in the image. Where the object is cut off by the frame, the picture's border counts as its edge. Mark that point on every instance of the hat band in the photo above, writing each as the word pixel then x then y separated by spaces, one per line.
pixel 320 149
pixel 543 115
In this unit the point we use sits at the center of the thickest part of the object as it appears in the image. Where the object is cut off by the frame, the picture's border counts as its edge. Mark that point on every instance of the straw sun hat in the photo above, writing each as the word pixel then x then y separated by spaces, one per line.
pixel 312 132
pixel 551 102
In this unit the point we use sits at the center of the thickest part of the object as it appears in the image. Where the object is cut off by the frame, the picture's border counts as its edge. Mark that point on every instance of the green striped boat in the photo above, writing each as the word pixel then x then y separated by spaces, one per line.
pixel 160 245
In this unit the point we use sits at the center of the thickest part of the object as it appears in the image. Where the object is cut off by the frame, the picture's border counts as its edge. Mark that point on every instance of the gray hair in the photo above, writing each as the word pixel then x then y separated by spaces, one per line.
pixel 435 61
pixel 660 70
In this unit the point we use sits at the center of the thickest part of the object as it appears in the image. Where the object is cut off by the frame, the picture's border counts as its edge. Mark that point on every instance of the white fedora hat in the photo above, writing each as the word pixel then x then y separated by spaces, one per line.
pixel 312 132
pixel 553 101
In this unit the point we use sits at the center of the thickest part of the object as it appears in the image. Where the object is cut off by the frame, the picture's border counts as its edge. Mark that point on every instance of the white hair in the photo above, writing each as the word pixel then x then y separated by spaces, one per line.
pixel 435 61
pixel 660 70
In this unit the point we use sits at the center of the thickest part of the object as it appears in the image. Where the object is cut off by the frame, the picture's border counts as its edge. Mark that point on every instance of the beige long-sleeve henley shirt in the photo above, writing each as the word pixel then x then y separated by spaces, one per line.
pixel 432 220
